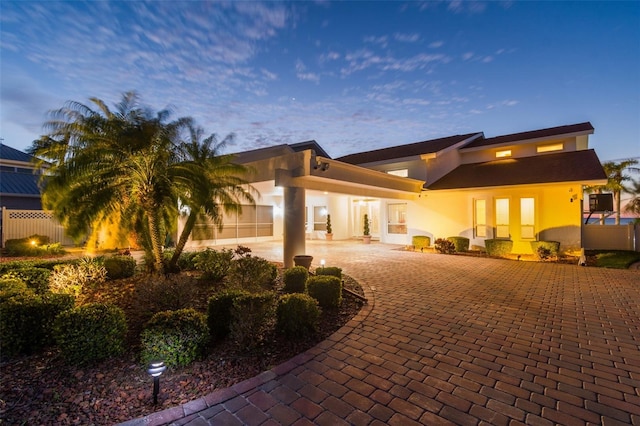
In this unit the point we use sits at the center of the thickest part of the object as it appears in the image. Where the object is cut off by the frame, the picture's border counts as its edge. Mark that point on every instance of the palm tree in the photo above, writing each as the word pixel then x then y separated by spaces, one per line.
pixel 107 164
pixel 633 206
pixel 616 181
pixel 210 184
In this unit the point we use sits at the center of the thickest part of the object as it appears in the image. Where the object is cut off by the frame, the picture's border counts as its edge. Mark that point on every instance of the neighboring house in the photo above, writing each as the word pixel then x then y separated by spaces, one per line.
pixel 20 200
pixel 524 187
pixel 18 182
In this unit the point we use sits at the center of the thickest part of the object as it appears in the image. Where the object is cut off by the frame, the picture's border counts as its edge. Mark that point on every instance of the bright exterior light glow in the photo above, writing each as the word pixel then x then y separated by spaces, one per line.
pixel 503 154
pixel 321 262
pixel 277 211
pixel 323 212
pixel 33 242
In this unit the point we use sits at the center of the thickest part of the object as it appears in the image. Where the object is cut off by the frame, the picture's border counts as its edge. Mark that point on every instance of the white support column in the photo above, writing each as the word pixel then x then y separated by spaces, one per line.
pixel 294 232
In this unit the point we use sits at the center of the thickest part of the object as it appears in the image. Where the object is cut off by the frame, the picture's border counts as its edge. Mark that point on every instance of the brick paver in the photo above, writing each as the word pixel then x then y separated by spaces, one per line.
pixel 452 340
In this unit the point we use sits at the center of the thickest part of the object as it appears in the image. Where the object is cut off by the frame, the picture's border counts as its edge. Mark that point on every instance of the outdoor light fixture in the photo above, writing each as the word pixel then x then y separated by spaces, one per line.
pixel 322 165
pixel 322 264
pixel 155 370
pixel 33 242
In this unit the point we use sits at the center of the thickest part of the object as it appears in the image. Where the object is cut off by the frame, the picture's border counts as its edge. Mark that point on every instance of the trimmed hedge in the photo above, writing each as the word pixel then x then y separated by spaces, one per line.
pixel 333 271
pixel 295 279
pixel 297 315
pixel 120 266
pixel 26 323
pixel 26 246
pixel 219 312
pixel 545 249
pixel 176 337
pixel 90 333
pixel 461 243
pixel 252 316
pixel 326 289
pixel 11 287
pixel 35 278
pixel 497 247
pixel 420 242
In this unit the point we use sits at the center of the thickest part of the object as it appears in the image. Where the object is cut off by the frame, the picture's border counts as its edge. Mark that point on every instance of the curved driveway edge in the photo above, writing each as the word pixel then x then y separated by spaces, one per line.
pixel 452 340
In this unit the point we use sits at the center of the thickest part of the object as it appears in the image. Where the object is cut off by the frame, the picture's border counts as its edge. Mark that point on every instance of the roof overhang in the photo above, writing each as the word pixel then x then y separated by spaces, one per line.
pixel 306 170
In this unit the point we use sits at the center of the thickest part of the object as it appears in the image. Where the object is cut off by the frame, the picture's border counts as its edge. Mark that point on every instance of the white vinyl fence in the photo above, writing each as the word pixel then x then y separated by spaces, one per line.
pixel 24 223
pixel 611 237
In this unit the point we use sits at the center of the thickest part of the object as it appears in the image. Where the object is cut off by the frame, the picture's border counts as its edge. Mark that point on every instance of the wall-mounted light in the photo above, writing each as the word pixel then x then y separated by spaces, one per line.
pixel 322 165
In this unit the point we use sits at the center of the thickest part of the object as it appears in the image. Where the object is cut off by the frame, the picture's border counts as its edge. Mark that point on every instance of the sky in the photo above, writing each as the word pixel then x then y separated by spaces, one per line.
pixel 353 76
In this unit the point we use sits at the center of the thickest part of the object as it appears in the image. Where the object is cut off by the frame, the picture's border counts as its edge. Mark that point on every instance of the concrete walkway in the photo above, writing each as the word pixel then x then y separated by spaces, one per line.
pixel 451 340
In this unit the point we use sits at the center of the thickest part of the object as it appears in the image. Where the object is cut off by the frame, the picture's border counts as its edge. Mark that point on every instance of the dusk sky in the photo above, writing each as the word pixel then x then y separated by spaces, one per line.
pixel 354 76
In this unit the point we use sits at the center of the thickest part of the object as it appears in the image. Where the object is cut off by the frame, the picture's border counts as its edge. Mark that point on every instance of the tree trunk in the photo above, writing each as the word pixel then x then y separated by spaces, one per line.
pixel 182 241
pixel 156 240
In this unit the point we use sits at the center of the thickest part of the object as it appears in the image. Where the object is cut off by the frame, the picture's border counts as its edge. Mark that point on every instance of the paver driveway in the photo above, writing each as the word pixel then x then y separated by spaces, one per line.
pixel 453 340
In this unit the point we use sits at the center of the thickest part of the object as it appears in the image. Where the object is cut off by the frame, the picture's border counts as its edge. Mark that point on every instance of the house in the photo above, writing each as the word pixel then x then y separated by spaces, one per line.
pixel 20 200
pixel 18 180
pixel 524 187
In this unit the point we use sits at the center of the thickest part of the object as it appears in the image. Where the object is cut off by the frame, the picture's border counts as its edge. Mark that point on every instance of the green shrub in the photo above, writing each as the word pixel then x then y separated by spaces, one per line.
pixel 11 287
pixel 420 242
pixel 219 312
pixel 295 279
pixel 187 260
pixel 252 274
pixel 444 246
pixel 176 337
pixel 326 289
pixel 35 245
pixel 461 243
pixel 35 263
pixel 252 316
pixel 74 278
pixel 26 323
pixel 497 247
pixel 120 266
pixel 214 265
pixel 333 271
pixel 158 293
pixel 35 278
pixel 297 315
pixel 545 249
pixel 90 333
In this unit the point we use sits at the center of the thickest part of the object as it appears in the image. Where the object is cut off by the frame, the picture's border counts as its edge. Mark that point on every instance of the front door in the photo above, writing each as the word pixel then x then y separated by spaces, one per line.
pixel 370 207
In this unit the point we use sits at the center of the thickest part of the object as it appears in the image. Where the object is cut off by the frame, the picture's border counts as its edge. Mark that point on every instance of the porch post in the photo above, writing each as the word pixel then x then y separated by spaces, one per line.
pixel 294 232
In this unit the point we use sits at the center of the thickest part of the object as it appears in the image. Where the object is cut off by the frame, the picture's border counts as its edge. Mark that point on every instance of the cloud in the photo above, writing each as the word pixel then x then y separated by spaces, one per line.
pixel 407 38
pixel 382 41
pixel 436 44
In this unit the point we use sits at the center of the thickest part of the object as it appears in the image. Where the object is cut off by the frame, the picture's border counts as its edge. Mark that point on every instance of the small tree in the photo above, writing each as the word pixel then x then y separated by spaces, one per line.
pixel 367 231
pixel 329 230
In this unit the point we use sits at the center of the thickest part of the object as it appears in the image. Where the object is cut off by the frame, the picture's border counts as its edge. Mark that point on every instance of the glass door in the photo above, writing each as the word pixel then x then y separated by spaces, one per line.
pixel 370 207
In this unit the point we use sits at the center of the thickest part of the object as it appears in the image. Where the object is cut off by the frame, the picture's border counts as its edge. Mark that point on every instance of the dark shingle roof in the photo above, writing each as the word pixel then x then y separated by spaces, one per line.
pixel 403 151
pixel 534 134
pixel 575 166
pixel 302 146
pixel 8 153
pixel 19 184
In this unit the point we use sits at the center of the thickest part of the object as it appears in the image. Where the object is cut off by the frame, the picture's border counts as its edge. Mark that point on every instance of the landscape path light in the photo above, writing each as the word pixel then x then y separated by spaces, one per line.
pixel 155 370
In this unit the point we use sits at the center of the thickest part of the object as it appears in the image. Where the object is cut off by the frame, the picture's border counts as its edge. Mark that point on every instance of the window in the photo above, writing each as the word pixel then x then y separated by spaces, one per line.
pixel 527 218
pixel 503 154
pixel 319 218
pixel 502 218
pixel 480 218
pixel 254 221
pixel 550 147
pixel 397 219
pixel 400 172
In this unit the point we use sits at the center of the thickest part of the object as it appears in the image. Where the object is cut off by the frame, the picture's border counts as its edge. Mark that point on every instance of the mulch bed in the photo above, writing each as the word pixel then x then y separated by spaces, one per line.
pixel 42 389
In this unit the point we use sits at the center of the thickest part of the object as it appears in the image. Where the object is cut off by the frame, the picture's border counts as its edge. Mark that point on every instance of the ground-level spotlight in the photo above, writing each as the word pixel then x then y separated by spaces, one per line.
pixel 155 370
pixel 322 262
